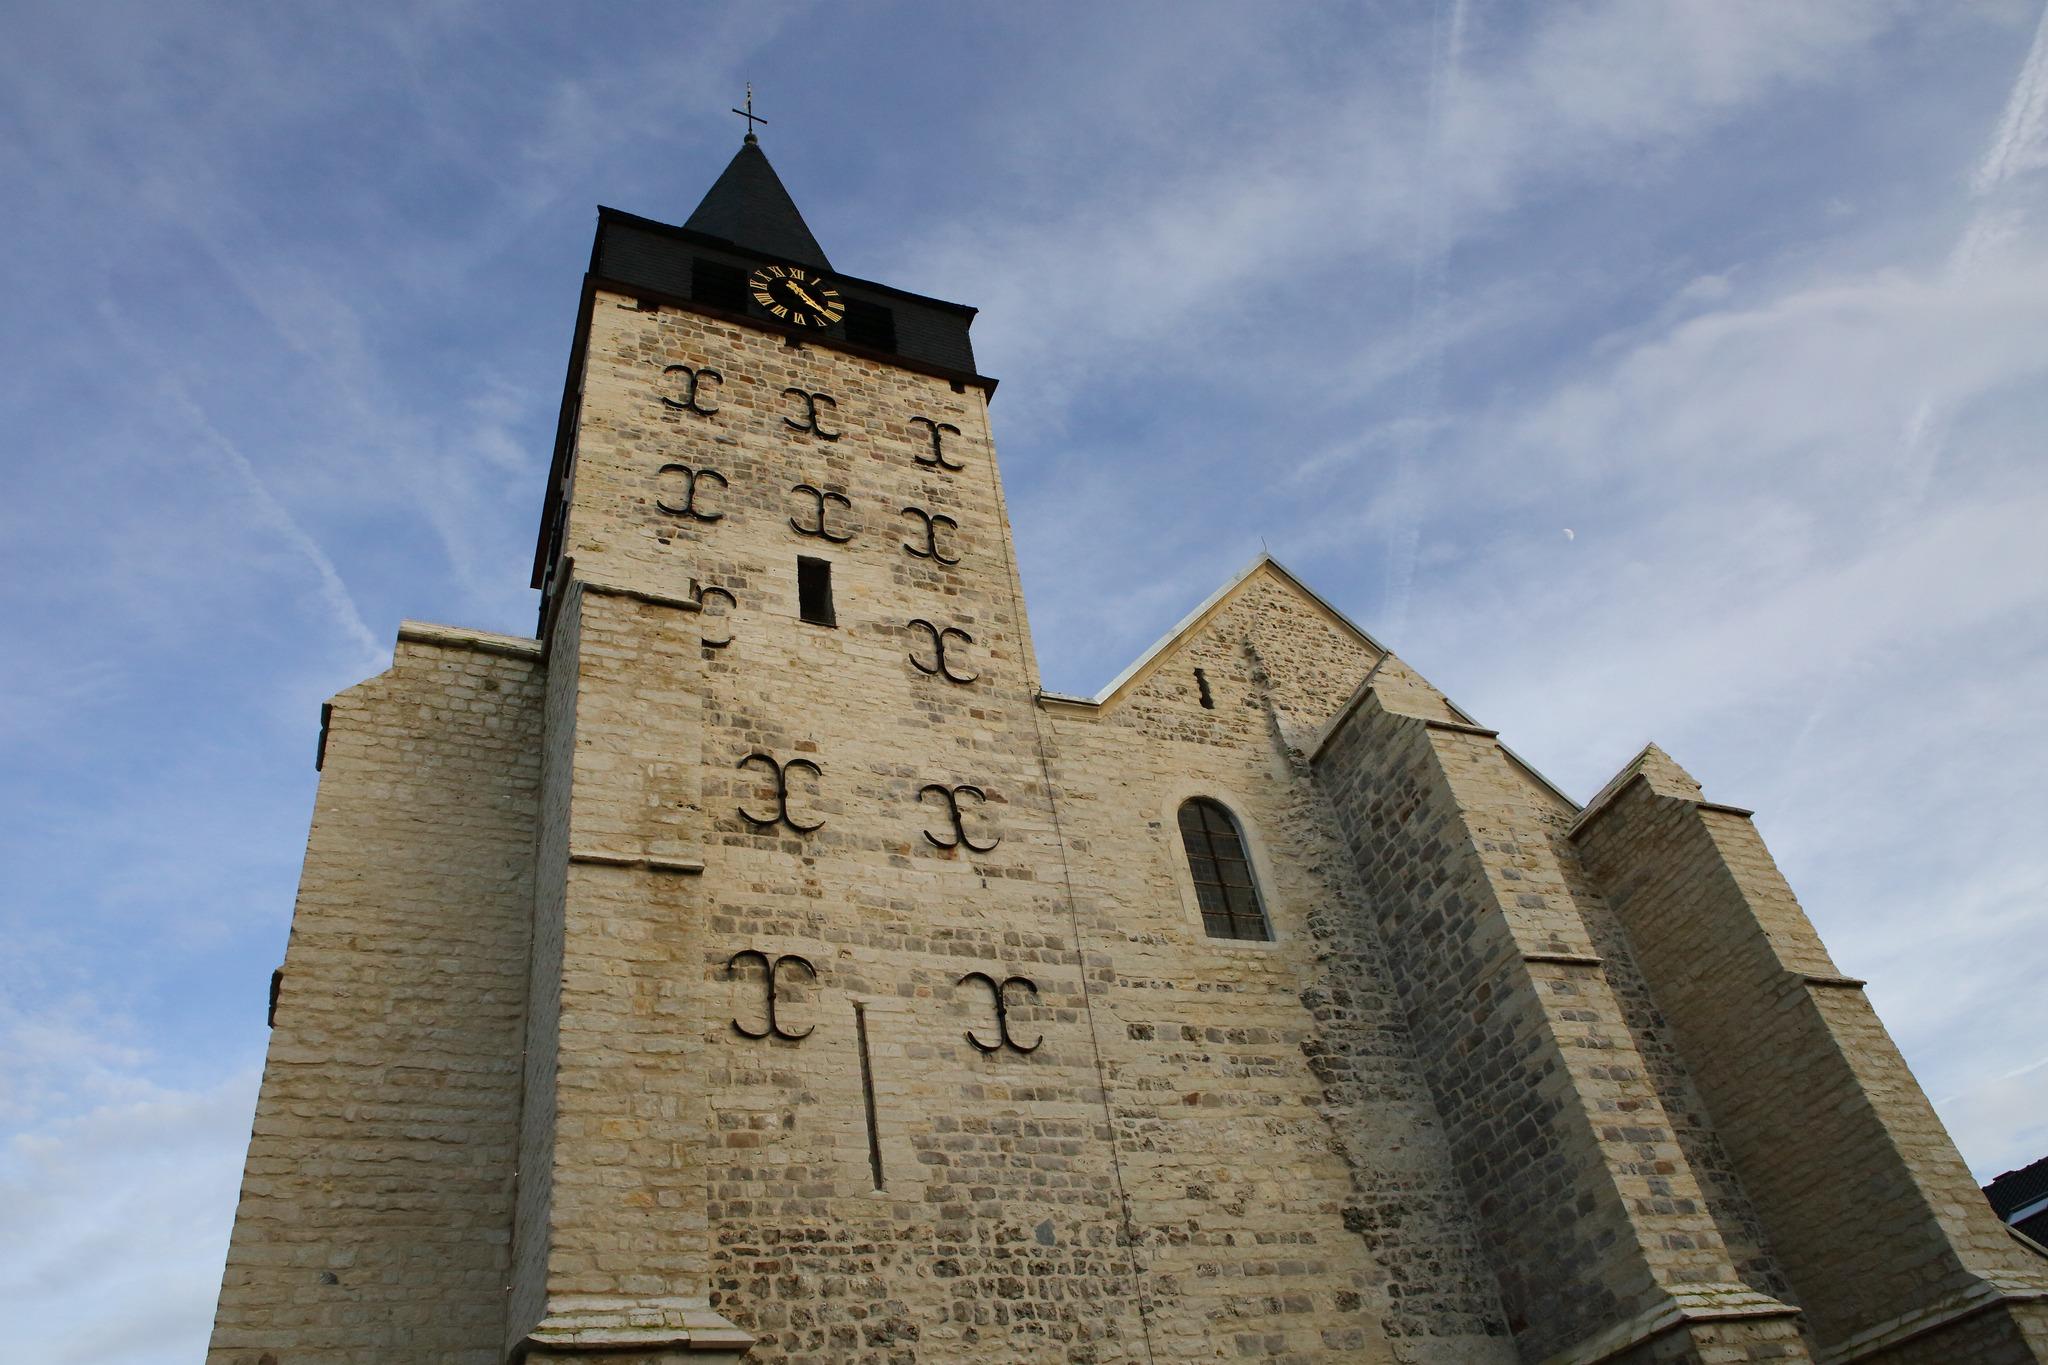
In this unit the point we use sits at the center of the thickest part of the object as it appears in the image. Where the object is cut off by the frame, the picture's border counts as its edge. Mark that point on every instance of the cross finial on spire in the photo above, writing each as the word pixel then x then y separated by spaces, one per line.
pixel 749 115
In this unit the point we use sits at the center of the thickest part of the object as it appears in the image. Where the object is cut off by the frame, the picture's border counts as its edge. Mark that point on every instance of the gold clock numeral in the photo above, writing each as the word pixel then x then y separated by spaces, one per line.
pixel 777 271
pixel 765 300
pixel 780 311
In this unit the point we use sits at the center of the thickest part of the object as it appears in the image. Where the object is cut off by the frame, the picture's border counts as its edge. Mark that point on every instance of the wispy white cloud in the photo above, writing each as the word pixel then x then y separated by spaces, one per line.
pixel 114 1223
pixel 1806 560
pixel 117 1187
pixel 1343 170
pixel 1804 488
pixel 270 512
pixel 2021 143
pixel 1429 297
pixel 2006 1111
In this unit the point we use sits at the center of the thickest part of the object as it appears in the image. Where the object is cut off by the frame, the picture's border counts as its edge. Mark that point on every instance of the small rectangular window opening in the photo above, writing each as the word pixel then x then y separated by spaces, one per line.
pixel 718 284
pixel 1202 681
pixel 870 324
pixel 814 591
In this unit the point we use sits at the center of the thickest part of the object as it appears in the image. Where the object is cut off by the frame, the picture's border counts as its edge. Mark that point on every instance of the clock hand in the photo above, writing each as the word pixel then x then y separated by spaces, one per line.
pixel 797 290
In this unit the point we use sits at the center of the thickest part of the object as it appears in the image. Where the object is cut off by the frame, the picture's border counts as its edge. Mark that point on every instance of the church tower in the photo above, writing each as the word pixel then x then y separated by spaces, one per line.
pixel 759 963
pixel 801 944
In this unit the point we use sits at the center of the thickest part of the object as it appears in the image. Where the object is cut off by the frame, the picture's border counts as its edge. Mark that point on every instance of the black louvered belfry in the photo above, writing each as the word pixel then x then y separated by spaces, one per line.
pixel 718 284
pixel 1222 871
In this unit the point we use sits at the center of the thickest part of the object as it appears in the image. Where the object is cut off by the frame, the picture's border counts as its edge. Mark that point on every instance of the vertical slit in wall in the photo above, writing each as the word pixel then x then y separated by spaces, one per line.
pixel 867 1090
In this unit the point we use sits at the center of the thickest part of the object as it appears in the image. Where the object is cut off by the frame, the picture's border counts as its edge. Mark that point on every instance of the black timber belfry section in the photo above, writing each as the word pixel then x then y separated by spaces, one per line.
pixel 674 262
pixel 718 285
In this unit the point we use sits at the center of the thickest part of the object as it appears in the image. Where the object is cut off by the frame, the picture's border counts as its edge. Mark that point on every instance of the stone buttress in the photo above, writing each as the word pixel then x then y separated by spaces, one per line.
pixel 375 1215
pixel 1888 1244
pixel 1602 1234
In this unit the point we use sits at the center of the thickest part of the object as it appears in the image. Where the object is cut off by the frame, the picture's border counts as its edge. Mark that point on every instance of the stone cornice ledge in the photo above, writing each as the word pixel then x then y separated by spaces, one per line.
pixel 1689 1304
pixel 1364 691
pixel 1980 1297
pixel 458 637
pixel 604 589
pixel 1606 800
pixel 1459 727
pixel 605 1327
pixel 653 862
pixel 568 582
pixel 1847 983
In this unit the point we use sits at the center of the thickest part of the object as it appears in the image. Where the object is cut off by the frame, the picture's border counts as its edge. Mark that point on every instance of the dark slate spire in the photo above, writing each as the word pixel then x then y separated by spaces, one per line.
pixel 749 208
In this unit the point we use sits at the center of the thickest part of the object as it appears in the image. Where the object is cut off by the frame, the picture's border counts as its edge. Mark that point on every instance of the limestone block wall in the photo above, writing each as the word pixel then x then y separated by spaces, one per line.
pixel 876 1187
pixel 1803 1085
pixel 1603 1237
pixel 1281 1154
pixel 1312 660
pixel 376 1203
pixel 744 461
pixel 527 1294
pixel 904 1170
pixel 624 1220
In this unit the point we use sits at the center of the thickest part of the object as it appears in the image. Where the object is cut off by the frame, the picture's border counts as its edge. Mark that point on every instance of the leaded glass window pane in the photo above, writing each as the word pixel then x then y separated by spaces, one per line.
pixel 1222 872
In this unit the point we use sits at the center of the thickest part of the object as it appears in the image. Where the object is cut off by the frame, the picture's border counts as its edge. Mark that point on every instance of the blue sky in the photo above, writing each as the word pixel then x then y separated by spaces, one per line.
pixel 1639 372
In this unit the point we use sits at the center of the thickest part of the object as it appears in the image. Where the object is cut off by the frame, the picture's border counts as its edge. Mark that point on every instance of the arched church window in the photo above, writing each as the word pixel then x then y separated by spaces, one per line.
pixel 1222 871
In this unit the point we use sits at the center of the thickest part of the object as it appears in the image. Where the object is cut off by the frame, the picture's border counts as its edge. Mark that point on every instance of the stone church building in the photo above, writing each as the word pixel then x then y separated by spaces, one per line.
pixel 758 963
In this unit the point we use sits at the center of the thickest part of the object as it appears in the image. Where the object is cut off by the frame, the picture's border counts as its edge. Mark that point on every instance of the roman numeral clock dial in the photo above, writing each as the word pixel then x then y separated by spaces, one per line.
pixel 789 293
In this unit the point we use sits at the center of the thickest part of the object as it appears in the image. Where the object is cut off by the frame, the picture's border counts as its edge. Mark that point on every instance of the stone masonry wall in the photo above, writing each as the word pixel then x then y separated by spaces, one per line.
pixel 625 1209
pixel 2015 1334
pixel 995 1219
pixel 1799 1077
pixel 999 1196
pixel 376 1203
pixel 1283 1161
pixel 1592 1211
pixel 527 1301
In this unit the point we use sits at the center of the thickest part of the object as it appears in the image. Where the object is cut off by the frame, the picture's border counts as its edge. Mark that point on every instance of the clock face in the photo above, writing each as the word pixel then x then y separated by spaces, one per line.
pixel 792 294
